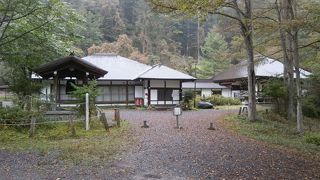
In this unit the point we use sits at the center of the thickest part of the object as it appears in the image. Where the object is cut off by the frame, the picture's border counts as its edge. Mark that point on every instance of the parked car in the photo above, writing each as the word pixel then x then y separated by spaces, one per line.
pixel 205 105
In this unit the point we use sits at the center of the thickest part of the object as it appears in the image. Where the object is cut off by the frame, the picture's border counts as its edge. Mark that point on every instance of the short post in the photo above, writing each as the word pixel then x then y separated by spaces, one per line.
pixel 87 112
pixel 117 116
pixel 98 114
pixel 103 118
pixel 32 127
pixel 72 128
pixel 211 127
pixel 240 110
pixel 177 112
pixel 145 125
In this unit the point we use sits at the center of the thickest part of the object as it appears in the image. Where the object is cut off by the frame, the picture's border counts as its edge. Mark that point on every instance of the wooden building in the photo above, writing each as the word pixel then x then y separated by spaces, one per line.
pixel 206 88
pixel 121 81
pixel 236 76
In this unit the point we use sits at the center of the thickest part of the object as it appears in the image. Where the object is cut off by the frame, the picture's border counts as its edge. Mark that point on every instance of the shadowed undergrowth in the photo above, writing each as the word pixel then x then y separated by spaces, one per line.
pixel 86 147
pixel 274 129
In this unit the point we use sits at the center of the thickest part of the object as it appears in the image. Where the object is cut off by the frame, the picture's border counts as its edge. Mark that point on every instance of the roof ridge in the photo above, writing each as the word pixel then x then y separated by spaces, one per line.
pixel 147 70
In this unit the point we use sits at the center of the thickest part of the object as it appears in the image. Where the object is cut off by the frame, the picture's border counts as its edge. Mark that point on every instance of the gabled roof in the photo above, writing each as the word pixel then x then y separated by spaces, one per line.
pixel 121 68
pixel 164 72
pixel 264 67
pixel 202 84
pixel 68 66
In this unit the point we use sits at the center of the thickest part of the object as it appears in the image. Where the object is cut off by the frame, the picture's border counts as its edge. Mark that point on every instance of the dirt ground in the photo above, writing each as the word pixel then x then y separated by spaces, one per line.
pixel 163 152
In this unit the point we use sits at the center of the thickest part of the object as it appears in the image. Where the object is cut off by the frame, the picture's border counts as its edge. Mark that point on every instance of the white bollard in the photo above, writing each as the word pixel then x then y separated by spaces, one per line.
pixel 87 112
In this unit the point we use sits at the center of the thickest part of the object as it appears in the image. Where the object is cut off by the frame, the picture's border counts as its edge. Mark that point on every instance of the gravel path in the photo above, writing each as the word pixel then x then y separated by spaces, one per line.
pixel 193 152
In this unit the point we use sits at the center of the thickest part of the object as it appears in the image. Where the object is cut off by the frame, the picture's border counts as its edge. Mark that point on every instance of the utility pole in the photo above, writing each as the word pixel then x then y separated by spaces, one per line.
pixel 198 58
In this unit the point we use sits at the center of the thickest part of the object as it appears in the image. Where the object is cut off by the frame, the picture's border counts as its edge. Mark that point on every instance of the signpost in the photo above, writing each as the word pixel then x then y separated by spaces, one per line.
pixel 177 111
pixel 87 112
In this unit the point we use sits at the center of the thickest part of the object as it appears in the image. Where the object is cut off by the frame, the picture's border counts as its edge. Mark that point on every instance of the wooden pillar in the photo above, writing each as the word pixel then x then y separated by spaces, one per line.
pixel 117 116
pixel 127 91
pixel 111 92
pixel 72 127
pixel 180 91
pixel 55 86
pixel 149 93
pixel 103 118
pixel 59 93
pixel 165 92
pixel 32 127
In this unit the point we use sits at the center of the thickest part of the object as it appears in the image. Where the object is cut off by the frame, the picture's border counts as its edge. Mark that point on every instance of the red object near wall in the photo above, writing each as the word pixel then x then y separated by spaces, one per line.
pixel 141 102
pixel 138 101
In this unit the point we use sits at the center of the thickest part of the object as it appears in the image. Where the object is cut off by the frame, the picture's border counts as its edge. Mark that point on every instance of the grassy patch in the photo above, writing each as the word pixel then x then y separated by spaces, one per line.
pixel 86 147
pixel 227 107
pixel 274 129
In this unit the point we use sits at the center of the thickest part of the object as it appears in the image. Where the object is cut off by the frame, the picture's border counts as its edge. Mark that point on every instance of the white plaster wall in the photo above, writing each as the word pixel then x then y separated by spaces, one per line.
pixel 101 82
pixel 156 83
pixel 206 92
pixel 172 83
pixel 119 82
pixel 226 93
pixel 138 92
pixel 234 92
pixel 175 95
pixel 154 94
pixel 46 93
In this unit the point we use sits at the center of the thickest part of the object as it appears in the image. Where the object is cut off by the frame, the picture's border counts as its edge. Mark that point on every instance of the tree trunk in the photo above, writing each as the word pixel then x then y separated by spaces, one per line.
pixel 251 79
pixel 296 62
pixel 290 81
pixel 245 23
pixel 286 43
pixel 247 35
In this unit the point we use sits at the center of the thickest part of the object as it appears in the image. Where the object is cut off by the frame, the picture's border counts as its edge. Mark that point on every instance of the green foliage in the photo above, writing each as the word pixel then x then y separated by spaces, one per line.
pixel 219 100
pixel 16 115
pixel 88 147
pixel 187 99
pixel 92 33
pixel 311 106
pixel 215 50
pixel 80 94
pixel 313 139
pixel 275 129
pixel 311 103
pixel 36 31
pixel 275 88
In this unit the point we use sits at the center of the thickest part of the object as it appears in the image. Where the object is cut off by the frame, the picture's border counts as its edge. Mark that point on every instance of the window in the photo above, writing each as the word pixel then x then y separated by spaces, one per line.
pixel 165 95
pixel 69 87
pixel 115 93
pixel 216 91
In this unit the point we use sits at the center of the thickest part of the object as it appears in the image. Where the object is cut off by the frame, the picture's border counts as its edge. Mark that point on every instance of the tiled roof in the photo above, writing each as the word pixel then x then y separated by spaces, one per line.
pixel 264 67
pixel 164 72
pixel 121 68
pixel 202 85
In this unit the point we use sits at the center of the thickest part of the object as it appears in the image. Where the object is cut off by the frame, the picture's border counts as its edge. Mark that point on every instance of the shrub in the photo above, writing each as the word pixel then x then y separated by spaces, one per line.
pixel 311 103
pixel 313 139
pixel 187 99
pixel 16 115
pixel 220 100
pixel 310 107
pixel 276 89
pixel 80 94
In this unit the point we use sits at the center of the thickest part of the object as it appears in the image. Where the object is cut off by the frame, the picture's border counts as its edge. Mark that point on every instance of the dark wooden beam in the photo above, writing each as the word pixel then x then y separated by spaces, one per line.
pixel 149 94
pixel 127 95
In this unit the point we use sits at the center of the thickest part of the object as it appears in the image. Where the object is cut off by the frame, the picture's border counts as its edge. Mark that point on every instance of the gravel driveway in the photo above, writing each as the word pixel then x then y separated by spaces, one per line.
pixel 193 152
